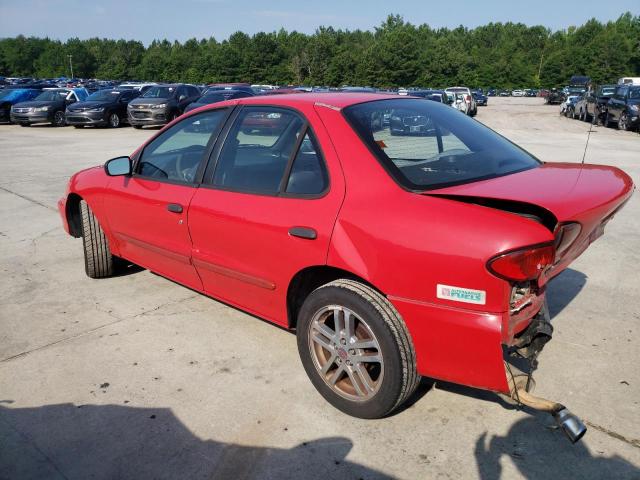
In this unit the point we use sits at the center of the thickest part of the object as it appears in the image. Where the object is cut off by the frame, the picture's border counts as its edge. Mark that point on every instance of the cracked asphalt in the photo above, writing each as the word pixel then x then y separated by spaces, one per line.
pixel 137 377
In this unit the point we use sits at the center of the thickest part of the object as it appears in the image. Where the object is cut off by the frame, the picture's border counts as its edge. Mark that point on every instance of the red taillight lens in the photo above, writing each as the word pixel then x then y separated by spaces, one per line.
pixel 524 264
pixel 467 98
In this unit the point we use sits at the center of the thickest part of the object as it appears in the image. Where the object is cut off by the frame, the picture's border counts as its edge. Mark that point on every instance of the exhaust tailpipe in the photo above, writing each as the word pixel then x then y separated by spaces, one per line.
pixel 570 424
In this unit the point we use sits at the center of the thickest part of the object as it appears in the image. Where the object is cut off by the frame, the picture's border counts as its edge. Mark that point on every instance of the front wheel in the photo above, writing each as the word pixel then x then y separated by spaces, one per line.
pixel 58 119
pixel 356 350
pixel 98 261
pixel 114 120
pixel 623 122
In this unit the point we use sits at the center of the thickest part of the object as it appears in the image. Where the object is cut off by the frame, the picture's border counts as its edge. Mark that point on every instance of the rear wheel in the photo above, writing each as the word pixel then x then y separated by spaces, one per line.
pixel 356 349
pixel 98 261
pixel 58 119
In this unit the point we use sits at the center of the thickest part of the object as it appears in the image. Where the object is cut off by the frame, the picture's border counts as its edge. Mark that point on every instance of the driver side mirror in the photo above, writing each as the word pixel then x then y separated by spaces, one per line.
pixel 182 97
pixel 118 166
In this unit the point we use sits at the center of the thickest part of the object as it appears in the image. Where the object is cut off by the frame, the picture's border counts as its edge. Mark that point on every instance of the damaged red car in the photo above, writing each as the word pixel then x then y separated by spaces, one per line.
pixel 393 253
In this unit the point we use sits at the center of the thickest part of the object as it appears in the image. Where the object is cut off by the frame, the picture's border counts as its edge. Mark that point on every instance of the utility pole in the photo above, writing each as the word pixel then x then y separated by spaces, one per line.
pixel 70 64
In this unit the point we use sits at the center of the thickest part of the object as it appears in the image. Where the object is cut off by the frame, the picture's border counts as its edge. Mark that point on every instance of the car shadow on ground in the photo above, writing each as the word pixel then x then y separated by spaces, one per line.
pixel 70 441
pixel 563 289
pixel 537 451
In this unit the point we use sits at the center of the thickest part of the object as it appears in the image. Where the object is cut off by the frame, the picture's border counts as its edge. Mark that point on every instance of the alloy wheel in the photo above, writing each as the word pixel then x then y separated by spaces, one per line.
pixel 346 353
pixel 114 120
pixel 622 122
pixel 58 119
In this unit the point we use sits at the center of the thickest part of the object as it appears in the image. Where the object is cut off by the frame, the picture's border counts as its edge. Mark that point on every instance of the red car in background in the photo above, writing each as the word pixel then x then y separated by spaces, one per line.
pixel 391 256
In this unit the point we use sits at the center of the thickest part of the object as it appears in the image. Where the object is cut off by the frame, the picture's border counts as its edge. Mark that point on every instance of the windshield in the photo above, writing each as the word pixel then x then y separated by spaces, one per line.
pixel 634 92
pixel 159 92
pixel 607 91
pixel 103 96
pixel 8 93
pixel 426 145
pixel 52 95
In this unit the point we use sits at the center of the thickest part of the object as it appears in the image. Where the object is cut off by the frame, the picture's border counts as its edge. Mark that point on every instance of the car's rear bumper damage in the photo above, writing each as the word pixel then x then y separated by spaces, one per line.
pixel 471 348
pixel 521 360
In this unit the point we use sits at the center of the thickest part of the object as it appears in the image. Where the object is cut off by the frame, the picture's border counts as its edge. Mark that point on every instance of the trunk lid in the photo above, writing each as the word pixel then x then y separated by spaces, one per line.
pixel 587 194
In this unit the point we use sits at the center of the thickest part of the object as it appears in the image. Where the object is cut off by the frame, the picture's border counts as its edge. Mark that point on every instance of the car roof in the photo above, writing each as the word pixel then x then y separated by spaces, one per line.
pixel 330 99
pixel 304 101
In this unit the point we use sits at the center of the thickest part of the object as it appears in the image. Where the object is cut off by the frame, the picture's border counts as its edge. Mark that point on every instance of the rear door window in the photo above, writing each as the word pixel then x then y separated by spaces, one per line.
pixel 308 175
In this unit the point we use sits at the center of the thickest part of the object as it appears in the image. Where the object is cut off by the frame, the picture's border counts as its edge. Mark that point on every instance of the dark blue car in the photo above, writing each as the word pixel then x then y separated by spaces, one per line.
pixel 10 96
pixel 481 98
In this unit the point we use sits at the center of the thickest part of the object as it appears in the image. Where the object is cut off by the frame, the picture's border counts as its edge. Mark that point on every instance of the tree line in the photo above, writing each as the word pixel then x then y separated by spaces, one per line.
pixel 394 54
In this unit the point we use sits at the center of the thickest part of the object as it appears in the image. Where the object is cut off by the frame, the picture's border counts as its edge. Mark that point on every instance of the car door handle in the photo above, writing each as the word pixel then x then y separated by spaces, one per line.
pixel 174 208
pixel 303 232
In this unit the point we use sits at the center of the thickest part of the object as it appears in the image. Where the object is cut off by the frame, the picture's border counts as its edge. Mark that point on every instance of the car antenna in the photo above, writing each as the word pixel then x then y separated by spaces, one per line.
pixel 587 144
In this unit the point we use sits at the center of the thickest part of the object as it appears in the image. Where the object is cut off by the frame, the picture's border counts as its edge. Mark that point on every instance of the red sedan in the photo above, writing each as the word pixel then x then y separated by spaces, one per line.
pixel 425 251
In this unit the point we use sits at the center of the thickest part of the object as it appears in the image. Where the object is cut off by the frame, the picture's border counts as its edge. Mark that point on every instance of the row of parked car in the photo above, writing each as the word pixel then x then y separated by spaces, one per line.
pixel 150 104
pixel 609 105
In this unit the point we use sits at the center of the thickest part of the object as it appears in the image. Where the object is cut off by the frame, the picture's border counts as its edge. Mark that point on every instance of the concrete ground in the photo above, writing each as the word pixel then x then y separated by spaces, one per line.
pixel 137 377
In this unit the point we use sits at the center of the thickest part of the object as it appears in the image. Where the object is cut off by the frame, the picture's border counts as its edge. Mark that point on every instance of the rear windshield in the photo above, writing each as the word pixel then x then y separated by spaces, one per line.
pixel 634 92
pixel 427 145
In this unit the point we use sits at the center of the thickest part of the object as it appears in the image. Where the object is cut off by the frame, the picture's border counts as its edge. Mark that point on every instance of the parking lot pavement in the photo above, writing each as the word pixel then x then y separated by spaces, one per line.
pixel 137 377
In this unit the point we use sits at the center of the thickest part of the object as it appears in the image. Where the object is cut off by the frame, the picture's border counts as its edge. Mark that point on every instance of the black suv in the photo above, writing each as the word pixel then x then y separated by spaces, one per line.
pixel 160 104
pixel 104 107
pixel 623 107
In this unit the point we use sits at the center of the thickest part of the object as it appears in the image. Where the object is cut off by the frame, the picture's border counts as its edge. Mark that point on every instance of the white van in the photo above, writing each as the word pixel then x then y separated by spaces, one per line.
pixel 629 81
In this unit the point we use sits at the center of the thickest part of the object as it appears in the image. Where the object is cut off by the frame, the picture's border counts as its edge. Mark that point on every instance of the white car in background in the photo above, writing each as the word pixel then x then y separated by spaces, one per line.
pixel 468 97
pixel 517 93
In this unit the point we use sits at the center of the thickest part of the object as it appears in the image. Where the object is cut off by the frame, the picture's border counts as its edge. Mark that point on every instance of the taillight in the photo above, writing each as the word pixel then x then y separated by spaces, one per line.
pixel 467 98
pixel 523 264
pixel 566 235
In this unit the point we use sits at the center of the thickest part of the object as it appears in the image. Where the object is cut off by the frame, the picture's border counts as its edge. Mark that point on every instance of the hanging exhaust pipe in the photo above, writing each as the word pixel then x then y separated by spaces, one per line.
pixel 570 424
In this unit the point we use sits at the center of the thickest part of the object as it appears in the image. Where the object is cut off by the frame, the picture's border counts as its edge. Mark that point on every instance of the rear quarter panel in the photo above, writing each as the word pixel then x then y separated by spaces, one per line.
pixel 405 244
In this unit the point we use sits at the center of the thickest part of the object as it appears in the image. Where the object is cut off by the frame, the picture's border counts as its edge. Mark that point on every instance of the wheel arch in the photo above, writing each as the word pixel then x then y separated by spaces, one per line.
pixel 74 217
pixel 307 280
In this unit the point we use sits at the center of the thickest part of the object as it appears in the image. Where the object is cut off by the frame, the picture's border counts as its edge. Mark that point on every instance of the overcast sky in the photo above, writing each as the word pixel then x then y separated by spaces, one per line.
pixel 146 20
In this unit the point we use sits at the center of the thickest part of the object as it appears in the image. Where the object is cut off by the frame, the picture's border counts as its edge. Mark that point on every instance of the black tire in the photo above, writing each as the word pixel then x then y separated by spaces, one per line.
pixel 98 261
pixel 137 126
pixel 606 120
pixel 25 124
pixel 58 119
pixel 400 377
pixel 78 126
